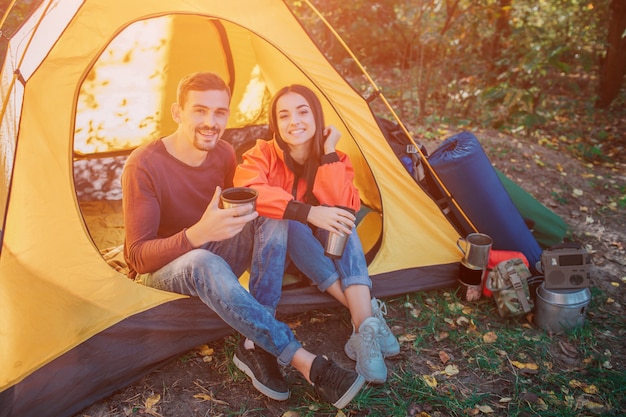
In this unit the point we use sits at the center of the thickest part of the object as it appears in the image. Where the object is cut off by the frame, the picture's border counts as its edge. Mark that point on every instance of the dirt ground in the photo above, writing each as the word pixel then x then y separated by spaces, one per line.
pixel 585 194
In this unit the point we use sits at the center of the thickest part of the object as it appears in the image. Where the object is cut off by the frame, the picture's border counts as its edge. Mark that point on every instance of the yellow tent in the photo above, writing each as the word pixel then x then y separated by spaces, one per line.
pixel 83 83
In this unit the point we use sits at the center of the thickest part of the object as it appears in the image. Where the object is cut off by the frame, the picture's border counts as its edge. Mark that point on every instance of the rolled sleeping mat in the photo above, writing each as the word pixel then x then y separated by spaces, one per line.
pixel 465 170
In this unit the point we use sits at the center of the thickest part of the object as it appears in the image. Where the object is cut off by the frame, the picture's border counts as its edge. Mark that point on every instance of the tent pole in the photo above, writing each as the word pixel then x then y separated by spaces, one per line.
pixel 16 71
pixel 379 93
pixel 6 13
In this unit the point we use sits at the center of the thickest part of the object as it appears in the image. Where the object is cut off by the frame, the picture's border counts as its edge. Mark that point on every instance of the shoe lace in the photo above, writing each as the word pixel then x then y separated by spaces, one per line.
pixel 370 339
pixel 380 309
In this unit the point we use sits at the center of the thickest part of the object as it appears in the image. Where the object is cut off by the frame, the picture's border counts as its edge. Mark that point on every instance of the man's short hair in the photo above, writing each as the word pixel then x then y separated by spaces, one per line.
pixel 200 81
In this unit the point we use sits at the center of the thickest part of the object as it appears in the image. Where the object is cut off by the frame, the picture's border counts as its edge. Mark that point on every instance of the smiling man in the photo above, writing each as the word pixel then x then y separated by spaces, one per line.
pixel 178 239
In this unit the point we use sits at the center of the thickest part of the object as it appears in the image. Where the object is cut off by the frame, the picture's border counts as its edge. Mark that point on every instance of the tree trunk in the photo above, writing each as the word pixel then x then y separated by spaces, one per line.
pixel 501 33
pixel 613 66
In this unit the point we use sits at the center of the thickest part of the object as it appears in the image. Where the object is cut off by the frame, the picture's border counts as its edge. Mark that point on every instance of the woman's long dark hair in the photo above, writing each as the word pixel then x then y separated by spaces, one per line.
pixel 317 143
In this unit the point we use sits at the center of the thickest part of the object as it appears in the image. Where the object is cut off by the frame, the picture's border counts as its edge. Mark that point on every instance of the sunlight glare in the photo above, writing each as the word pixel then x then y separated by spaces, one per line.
pixel 252 104
pixel 120 100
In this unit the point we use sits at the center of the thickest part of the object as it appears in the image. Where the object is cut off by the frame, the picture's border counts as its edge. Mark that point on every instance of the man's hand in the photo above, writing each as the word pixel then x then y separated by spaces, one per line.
pixel 333 219
pixel 219 224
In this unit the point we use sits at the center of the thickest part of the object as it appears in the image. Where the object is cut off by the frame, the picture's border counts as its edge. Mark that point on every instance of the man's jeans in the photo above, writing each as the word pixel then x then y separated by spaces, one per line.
pixel 306 250
pixel 211 273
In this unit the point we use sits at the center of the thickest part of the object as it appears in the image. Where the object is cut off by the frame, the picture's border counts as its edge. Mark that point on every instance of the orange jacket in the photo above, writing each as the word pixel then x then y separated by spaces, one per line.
pixel 264 169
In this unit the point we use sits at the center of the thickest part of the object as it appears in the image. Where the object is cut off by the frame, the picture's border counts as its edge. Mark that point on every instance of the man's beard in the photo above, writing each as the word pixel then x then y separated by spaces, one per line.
pixel 202 144
pixel 205 146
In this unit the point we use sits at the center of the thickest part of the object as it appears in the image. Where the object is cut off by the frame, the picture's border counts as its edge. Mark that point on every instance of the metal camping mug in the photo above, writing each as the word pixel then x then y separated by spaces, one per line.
pixel 336 242
pixel 239 196
pixel 476 251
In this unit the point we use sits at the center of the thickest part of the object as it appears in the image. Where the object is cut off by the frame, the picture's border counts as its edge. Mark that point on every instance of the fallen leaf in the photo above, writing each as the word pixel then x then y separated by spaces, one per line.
pixel 574 383
pixel 430 380
pixel 542 404
pixel 490 337
pixel 292 413
pixel 407 338
pixel 207 397
pixel 205 350
pixel 441 336
pixel 451 370
pixel 576 192
pixel 456 306
pixel 505 400
pixel 589 405
pixel 462 321
pixel 530 365
pixel 594 406
pixel 485 409
pixel 151 401
pixel 294 324
pixel 444 357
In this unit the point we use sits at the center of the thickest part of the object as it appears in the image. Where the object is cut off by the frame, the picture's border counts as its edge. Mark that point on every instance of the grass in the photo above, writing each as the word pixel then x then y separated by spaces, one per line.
pixel 469 361
pixel 457 359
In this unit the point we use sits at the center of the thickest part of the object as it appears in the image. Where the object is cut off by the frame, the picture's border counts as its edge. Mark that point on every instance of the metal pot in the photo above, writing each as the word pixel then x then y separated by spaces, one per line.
pixel 560 310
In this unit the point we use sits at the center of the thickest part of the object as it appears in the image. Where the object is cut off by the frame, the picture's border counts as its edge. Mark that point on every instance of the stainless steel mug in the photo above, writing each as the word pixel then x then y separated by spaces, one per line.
pixel 336 242
pixel 476 250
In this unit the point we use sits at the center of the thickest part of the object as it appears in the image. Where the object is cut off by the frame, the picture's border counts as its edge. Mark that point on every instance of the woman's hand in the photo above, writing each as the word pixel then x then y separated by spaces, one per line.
pixel 331 139
pixel 333 219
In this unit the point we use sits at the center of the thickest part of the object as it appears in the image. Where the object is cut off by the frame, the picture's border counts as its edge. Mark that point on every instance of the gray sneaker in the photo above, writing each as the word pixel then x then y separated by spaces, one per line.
pixel 364 349
pixel 389 345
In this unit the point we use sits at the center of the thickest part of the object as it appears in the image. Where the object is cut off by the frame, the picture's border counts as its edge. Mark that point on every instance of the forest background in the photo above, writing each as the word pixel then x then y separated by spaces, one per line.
pixel 552 70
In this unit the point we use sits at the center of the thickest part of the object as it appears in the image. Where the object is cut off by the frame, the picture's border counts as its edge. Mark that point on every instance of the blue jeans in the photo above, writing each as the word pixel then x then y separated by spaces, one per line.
pixel 306 250
pixel 211 273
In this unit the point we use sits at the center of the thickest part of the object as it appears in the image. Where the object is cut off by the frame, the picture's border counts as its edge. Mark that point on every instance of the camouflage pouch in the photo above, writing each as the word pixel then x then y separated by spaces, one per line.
pixel 508 282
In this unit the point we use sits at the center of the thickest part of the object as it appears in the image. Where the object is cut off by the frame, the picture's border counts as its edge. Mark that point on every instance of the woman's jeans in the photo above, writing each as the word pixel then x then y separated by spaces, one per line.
pixel 306 250
pixel 211 273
